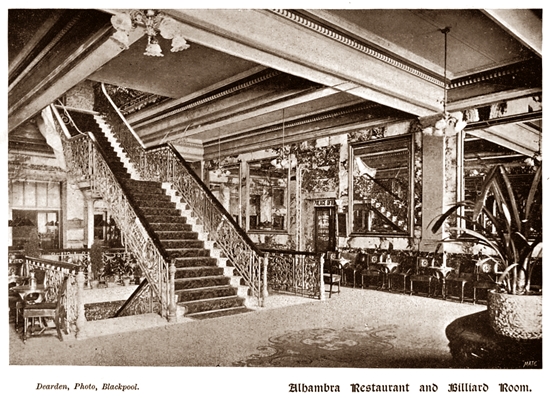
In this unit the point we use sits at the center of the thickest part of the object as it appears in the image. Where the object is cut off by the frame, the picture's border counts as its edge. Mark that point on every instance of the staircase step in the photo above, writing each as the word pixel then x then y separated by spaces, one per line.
pixel 205 293
pixel 207 305
pixel 160 219
pixel 152 200
pixel 182 244
pixel 168 235
pixel 174 226
pixel 200 282
pixel 191 252
pixel 201 285
pixel 184 262
pixel 145 187
pixel 168 209
pixel 195 272
pixel 220 312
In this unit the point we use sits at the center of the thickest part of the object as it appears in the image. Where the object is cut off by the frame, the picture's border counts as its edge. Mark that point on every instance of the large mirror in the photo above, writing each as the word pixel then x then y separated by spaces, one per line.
pixel 381 181
pixel 481 154
pixel 268 196
pixel 225 185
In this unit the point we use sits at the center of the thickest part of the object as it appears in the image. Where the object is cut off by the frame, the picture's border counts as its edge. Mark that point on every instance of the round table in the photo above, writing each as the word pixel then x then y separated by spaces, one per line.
pixel 25 291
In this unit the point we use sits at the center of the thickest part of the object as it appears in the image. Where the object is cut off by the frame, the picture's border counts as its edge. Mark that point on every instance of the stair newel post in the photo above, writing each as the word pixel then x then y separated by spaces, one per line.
pixel 81 315
pixel 172 305
pixel 322 280
pixel 265 264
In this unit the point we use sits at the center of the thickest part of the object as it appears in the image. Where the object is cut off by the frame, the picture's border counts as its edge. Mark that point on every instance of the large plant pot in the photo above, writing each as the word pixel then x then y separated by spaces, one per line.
pixel 515 316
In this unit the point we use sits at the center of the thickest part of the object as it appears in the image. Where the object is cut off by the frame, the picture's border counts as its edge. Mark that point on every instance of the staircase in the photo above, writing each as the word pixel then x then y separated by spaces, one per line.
pixel 204 286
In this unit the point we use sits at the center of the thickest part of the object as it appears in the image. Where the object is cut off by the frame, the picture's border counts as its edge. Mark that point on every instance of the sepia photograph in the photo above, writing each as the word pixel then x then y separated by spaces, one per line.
pixel 338 197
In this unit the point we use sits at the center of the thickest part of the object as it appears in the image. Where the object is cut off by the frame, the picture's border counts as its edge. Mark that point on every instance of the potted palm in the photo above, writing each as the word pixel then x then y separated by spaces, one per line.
pixel 509 225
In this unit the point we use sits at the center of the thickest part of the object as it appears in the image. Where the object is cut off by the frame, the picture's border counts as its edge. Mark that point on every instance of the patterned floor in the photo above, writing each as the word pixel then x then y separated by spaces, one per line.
pixel 324 347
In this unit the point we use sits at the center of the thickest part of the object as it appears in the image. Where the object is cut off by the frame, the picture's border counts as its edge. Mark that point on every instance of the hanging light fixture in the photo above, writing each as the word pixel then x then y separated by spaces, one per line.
pixel 154 23
pixel 449 124
pixel 220 172
pixel 285 159
pixel 536 158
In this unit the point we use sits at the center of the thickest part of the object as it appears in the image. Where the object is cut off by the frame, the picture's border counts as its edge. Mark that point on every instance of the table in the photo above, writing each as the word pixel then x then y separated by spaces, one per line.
pixel 442 272
pixel 29 295
pixel 25 291
pixel 386 268
pixel 474 344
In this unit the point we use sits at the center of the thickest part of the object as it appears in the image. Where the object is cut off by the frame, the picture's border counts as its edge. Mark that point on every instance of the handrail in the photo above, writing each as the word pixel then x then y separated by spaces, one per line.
pixel 383 187
pixel 213 198
pixel 130 299
pixel 88 162
pixel 68 267
pixel 163 163
pixel 134 205
pixel 121 116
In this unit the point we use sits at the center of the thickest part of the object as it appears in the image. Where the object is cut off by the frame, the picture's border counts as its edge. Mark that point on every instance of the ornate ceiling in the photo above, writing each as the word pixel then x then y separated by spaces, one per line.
pixel 326 70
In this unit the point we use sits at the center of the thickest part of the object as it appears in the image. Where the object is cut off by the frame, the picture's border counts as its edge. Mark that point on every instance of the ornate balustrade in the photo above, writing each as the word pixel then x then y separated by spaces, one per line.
pixel 384 202
pixel 55 273
pixel 87 164
pixel 294 272
pixel 165 164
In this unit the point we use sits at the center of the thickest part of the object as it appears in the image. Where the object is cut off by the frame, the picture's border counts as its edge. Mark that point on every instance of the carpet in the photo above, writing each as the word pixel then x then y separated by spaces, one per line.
pixel 324 347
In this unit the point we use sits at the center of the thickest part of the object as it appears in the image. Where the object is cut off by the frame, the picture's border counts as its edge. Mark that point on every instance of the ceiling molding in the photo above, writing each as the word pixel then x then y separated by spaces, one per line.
pixel 210 98
pixel 356 45
pixel 294 49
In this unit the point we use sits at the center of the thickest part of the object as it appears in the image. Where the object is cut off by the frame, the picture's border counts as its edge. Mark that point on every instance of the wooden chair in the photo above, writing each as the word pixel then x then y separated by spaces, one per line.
pixel 398 278
pixel 485 276
pixel 421 275
pixel 371 271
pixel 456 283
pixel 332 271
pixel 32 312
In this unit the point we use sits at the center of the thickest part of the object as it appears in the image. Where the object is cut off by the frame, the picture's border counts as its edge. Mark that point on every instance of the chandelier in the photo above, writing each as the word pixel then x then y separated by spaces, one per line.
pixel 220 172
pixel 448 124
pixel 285 159
pixel 154 23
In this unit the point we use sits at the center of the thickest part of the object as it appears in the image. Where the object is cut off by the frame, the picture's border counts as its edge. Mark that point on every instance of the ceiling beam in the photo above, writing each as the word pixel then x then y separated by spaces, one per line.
pixel 297 50
pixel 68 72
pixel 513 136
pixel 521 23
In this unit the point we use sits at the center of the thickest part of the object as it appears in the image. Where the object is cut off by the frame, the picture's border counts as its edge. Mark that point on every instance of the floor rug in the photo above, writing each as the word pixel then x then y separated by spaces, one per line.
pixel 324 347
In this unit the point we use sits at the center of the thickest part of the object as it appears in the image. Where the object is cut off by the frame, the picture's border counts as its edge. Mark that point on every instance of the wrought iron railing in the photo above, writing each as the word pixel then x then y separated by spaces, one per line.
pixel 55 273
pixel 140 302
pixel 87 165
pixel 165 164
pixel 294 272
pixel 384 202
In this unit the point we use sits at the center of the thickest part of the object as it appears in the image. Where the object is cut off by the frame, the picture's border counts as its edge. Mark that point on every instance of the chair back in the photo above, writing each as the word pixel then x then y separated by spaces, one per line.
pixel 485 269
pixel 331 262
pixel 422 264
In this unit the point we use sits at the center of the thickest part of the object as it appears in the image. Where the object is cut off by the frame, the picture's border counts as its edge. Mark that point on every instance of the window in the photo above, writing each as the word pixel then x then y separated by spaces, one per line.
pixel 381 183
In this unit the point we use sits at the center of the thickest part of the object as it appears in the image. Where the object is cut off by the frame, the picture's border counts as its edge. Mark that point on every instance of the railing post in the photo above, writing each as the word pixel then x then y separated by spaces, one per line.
pixel 264 279
pixel 322 281
pixel 172 298
pixel 81 315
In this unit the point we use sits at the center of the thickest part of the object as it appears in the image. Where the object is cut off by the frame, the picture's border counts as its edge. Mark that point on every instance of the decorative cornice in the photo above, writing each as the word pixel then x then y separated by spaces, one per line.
pixel 508 70
pixel 359 46
pixel 224 93
pixel 301 122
